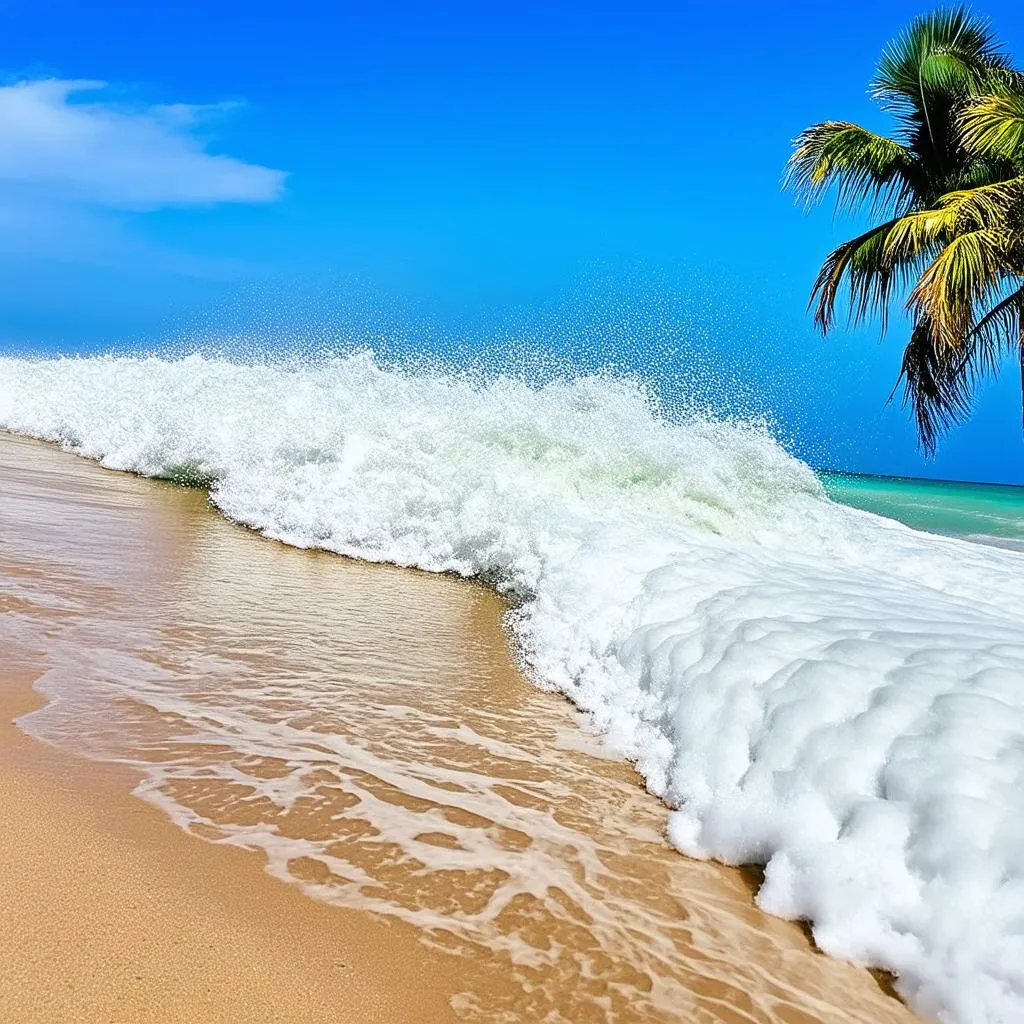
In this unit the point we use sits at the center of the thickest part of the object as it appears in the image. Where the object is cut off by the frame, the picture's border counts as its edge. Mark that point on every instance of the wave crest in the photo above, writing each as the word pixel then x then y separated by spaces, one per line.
pixel 806 686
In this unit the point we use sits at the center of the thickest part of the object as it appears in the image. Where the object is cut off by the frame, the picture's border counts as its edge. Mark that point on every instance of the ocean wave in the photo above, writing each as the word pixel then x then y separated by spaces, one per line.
pixel 805 686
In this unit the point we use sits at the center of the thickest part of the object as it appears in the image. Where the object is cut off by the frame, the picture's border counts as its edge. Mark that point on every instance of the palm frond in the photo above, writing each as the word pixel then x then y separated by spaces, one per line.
pixel 939 386
pixel 920 234
pixel 1007 78
pixel 949 50
pixel 938 396
pixel 999 331
pixel 975 171
pixel 994 126
pixel 968 270
pixel 928 73
pixel 862 165
pixel 862 266
pixel 989 206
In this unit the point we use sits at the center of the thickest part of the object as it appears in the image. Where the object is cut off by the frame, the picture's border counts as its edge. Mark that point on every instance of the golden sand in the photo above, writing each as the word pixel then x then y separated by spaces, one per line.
pixel 108 913
pixel 469 849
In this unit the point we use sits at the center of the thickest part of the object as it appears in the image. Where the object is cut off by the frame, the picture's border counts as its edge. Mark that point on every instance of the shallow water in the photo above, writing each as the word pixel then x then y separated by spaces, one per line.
pixel 992 512
pixel 366 729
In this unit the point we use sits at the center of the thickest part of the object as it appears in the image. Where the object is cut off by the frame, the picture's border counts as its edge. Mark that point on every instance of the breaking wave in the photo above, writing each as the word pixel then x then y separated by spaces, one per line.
pixel 805 686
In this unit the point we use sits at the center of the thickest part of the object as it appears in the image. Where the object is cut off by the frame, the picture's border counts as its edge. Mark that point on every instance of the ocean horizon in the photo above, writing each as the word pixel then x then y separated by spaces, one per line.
pixel 952 507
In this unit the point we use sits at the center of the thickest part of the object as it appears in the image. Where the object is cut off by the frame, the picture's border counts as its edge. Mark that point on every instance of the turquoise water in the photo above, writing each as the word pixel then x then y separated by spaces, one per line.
pixel 993 511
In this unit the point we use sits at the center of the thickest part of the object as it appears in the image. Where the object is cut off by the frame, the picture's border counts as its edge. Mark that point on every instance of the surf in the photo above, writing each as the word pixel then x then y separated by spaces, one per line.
pixel 805 686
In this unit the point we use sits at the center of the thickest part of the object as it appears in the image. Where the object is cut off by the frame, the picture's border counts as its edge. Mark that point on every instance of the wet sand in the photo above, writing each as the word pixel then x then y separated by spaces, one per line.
pixel 108 913
pixel 458 846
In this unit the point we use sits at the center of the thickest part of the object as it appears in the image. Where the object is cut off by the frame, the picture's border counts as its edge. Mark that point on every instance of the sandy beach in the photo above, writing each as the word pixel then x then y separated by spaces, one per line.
pixel 109 913
pixel 457 845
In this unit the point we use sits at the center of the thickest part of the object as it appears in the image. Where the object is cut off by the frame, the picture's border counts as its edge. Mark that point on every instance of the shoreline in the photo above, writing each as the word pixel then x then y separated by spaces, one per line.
pixel 127 879
pixel 109 912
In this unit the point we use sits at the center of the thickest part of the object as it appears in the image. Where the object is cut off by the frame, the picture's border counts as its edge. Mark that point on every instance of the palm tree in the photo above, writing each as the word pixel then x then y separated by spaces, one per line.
pixel 949 187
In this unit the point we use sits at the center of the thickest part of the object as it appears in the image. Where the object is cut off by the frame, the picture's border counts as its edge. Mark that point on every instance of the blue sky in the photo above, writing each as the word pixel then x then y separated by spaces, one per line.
pixel 603 177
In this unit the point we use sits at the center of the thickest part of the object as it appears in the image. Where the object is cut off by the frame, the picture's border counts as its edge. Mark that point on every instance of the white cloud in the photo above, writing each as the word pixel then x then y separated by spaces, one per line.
pixel 95 152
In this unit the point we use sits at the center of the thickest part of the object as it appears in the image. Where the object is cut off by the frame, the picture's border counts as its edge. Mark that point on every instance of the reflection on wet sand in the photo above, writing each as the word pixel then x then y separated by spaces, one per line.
pixel 366 729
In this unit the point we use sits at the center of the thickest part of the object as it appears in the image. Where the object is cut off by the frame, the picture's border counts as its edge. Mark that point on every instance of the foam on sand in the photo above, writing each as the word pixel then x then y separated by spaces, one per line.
pixel 806 686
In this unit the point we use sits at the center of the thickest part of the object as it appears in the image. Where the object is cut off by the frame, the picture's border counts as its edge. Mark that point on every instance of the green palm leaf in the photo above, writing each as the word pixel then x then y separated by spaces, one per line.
pixel 989 207
pixel 950 51
pixel 999 331
pixel 965 273
pixel 938 395
pixel 939 389
pixel 862 165
pixel 994 126
pixel 858 264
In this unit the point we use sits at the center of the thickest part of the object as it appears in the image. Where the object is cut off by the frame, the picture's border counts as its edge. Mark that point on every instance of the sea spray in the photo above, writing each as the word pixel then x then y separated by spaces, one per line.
pixel 809 687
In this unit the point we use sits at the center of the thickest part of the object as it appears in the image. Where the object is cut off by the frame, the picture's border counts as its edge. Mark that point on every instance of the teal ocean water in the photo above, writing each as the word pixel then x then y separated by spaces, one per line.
pixel 991 512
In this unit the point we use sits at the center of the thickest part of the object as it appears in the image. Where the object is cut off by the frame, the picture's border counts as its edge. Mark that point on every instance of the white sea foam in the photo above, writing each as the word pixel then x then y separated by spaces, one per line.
pixel 806 686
